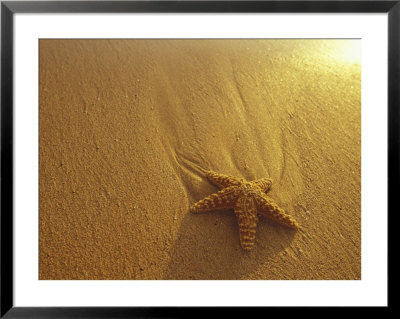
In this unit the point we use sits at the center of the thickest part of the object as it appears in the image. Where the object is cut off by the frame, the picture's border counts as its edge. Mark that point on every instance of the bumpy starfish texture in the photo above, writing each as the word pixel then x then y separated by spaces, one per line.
pixel 247 199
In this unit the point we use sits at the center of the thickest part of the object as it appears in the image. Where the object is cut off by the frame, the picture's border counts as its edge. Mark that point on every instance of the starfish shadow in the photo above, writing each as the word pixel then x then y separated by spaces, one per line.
pixel 208 248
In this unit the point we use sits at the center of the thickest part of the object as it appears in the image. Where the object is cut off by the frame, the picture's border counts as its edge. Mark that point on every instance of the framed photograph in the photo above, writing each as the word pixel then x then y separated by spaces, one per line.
pixel 162 156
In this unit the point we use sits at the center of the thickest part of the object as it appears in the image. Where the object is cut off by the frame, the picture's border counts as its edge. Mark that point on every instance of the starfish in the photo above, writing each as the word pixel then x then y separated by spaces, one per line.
pixel 247 199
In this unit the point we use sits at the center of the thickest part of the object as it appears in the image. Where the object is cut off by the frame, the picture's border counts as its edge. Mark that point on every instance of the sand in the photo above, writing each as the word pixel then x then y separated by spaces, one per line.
pixel 127 128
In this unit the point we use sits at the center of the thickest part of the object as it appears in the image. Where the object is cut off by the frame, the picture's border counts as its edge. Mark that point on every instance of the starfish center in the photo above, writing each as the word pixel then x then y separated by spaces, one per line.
pixel 248 189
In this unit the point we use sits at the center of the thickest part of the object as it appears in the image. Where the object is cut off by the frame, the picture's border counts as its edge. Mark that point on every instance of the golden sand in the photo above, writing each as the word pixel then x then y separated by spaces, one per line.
pixel 127 128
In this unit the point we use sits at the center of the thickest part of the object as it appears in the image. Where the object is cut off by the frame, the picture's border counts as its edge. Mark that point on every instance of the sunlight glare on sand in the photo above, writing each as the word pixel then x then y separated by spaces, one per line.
pixel 350 51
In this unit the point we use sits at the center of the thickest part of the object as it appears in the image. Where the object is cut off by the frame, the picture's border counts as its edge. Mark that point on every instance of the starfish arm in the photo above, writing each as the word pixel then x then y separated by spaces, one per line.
pixel 263 184
pixel 246 214
pixel 222 180
pixel 224 199
pixel 268 208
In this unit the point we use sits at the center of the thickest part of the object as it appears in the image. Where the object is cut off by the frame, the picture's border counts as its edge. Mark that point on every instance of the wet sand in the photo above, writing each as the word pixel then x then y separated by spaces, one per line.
pixel 127 128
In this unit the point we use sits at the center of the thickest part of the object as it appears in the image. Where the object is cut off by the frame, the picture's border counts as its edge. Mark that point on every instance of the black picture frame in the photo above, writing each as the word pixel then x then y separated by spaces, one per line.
pixel 9 8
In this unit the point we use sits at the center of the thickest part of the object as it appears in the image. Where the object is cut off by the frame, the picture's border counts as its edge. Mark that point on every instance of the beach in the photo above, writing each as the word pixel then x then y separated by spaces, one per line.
pixel 127 129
